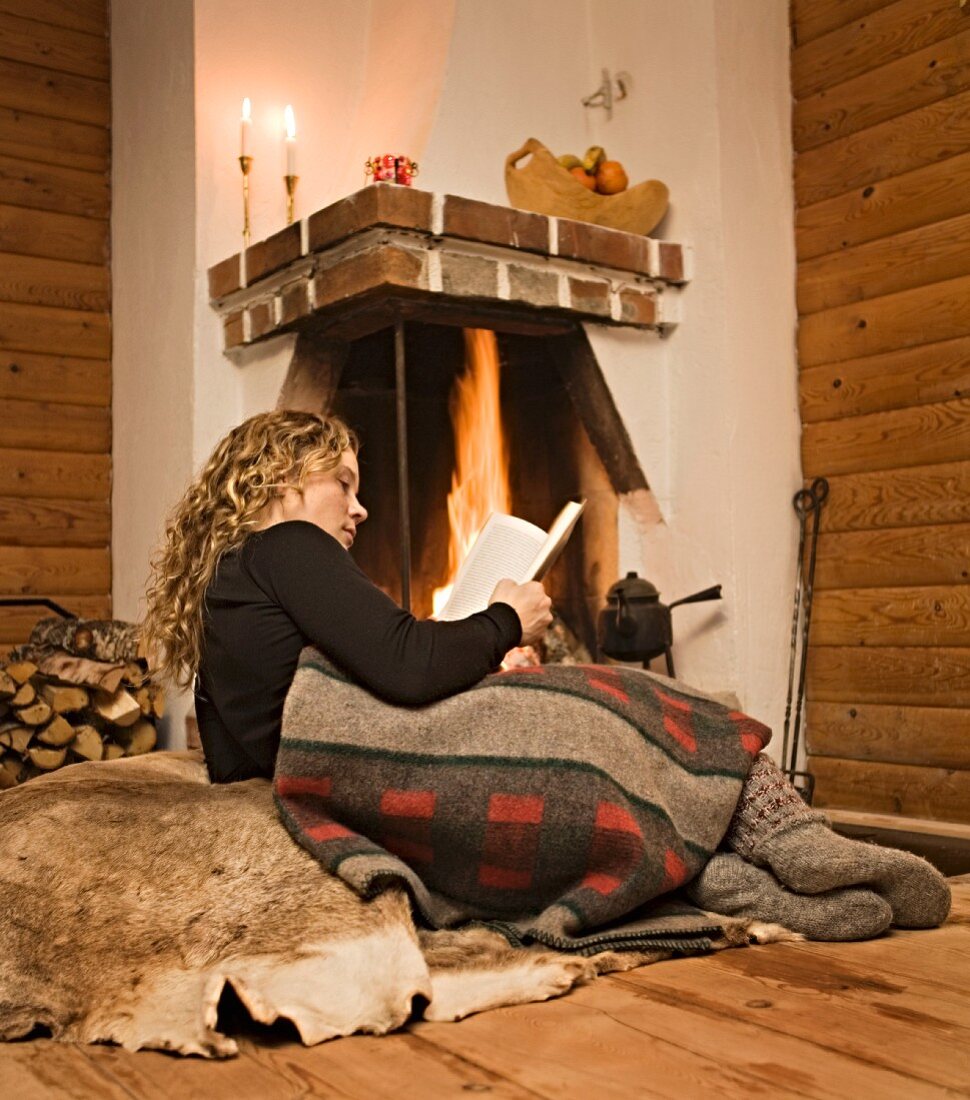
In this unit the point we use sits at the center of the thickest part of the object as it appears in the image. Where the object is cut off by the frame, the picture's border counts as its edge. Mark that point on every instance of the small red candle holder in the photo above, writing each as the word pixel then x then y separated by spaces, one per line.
pixel 391 168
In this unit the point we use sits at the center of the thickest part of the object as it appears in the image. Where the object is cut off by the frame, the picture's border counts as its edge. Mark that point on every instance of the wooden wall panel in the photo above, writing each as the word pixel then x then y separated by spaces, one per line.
pixel 55 236
pixel 921 375
pixel 931 676
pixel 55 298
pixel 52 47
pixel 936 793
pixel 813 18
pixel 90 16
pixel 29 521
pixel 46 426
pixel 921 137
pixel 45 140
pixel 885 34
pixel 884 441
pixel 53 187
pixel 922 315
pixel 29 377
pixel 928 254
pixel 55 475
pixel 882 557
pixel 931 615
pixel 913 81
pixel 914 497
pixel 881 128
pixel 33 280
pixel 893 205
pixel 930 736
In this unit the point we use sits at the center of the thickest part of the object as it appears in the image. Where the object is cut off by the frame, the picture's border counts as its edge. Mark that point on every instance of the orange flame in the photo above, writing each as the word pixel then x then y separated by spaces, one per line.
pixel 480 481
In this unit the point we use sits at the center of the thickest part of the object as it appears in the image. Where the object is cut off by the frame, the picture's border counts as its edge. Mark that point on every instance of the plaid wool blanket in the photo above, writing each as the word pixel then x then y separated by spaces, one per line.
pixel 558 804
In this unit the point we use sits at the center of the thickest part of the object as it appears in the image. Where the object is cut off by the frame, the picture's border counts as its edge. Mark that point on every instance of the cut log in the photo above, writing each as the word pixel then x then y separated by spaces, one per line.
pixel 9 770
pixel 21 671
pixel 120 708
pixel 34 715
pixel 8 685
pixel 16 737
pixel 26 694
pixel 87 743
pixel 104 675
pixel 112 751
pixel 57 732
pixel 63 699
pixel 140 739
pixel 47 759
pixel 144 699
pixel 136 673
pixel 151 699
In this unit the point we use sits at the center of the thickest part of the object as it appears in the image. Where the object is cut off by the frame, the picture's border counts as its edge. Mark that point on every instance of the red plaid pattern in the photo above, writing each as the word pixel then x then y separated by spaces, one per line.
pixel 677 720
pixel 406 818
pixel 511 841
pixel 605 679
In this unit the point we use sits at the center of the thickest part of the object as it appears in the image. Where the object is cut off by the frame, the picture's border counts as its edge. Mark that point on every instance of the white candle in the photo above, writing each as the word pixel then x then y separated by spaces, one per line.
pixel 290 123
pixel 244 127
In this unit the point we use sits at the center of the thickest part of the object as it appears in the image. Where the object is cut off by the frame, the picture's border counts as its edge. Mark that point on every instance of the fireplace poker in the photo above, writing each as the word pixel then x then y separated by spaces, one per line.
pixel 819 492
pixel 802 502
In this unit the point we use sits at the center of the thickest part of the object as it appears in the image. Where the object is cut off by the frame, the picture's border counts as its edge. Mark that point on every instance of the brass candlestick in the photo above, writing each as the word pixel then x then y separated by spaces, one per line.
pixel 291 182
pixel 245 163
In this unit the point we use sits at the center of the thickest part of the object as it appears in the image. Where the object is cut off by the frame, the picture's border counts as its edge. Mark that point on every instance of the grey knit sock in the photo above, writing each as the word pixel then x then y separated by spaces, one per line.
pixel 772 827
pixel 731 886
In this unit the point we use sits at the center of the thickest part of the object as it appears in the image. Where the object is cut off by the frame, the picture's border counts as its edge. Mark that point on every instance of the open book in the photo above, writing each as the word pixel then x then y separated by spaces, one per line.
pixel 507 546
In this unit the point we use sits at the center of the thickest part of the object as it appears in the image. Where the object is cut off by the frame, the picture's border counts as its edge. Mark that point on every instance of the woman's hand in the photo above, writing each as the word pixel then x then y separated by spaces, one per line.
pixel 530 603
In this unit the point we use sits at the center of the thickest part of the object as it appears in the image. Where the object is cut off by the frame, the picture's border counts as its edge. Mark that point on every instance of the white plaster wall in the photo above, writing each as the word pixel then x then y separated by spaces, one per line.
pixel 458 84
pixel 153 263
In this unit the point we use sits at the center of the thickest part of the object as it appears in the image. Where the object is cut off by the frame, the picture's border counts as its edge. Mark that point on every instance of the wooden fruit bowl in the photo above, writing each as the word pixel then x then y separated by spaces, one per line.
pixel 544 186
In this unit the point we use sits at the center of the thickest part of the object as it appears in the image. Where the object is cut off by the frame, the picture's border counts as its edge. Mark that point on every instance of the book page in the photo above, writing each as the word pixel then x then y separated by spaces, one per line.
pixel 506 546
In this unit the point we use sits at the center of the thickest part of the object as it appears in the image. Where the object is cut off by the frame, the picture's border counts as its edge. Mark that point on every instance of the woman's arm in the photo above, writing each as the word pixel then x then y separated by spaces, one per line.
pixel 353 622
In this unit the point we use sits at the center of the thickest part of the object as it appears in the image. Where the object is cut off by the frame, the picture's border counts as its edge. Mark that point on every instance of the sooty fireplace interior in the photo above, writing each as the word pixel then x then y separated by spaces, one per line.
pixel 439 326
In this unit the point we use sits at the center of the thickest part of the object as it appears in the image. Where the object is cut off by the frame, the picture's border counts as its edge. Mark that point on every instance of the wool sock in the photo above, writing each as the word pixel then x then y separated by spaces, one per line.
pixel 772 827
pixel 731 886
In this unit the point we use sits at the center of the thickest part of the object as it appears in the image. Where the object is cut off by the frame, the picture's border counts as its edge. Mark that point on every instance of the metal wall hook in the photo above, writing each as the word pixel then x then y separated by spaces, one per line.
pixel 610 91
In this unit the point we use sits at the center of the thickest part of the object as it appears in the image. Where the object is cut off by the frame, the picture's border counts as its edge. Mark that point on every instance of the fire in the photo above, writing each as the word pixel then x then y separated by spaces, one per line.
pixel 480 481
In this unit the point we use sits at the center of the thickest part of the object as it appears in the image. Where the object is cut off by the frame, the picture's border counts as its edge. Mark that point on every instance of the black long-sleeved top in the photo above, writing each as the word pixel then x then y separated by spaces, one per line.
pixel 293 585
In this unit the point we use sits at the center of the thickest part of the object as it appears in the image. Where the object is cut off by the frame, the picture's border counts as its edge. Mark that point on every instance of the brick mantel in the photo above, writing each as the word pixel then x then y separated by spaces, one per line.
pixel 395 251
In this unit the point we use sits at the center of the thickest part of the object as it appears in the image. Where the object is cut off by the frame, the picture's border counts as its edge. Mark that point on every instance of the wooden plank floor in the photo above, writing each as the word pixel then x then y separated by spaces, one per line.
pixel 884 1018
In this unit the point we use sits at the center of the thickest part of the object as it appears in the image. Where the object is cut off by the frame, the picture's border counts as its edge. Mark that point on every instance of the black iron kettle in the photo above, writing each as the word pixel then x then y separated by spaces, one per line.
pixel 636 626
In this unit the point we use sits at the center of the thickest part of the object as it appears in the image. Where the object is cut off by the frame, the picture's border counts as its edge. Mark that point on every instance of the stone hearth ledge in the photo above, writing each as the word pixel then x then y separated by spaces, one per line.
pixel 387 241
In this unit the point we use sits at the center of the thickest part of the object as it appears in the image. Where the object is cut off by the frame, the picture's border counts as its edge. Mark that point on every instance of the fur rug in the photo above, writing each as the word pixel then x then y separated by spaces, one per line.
pixel 132 891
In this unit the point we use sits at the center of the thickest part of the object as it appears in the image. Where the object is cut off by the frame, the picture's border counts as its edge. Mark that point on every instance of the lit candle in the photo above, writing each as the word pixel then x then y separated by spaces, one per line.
pixel 244 127
pixel 290 122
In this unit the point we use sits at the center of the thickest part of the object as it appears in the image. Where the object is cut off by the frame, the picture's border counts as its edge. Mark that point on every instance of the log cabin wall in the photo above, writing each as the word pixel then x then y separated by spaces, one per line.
pixel 882 182
pixel 55 370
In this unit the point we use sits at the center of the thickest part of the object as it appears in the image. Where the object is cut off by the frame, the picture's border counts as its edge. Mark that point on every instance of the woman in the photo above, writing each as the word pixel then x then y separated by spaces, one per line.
pixel 255 566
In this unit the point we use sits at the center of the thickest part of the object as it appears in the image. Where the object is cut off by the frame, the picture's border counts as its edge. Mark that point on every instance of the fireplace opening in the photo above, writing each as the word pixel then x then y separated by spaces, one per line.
pixel 551 459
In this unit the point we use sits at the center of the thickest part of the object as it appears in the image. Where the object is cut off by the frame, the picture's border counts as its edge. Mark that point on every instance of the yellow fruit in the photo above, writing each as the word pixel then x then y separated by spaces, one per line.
pixel 582 176
pixel 593 157
pixel 611 178
pixel 568 161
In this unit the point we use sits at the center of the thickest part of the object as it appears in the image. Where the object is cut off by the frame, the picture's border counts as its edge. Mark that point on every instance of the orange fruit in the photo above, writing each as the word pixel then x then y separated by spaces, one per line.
pixel 579 173
pixel 611 178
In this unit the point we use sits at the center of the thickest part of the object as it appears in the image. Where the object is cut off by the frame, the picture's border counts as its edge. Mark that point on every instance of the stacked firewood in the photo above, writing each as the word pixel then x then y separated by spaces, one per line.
pixel 78 690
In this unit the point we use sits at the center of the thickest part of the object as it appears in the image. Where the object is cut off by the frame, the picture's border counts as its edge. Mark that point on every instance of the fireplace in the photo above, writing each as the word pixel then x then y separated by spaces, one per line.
pixel 381 289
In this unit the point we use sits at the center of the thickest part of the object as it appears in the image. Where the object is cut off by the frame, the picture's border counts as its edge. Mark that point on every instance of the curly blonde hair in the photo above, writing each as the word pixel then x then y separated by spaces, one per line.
pixel 225 503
